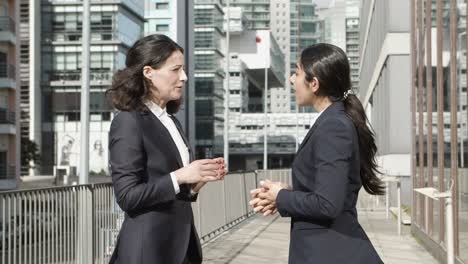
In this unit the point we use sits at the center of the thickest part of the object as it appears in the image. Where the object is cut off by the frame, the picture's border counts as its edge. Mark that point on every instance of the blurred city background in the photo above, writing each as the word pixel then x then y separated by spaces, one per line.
pixel 408 66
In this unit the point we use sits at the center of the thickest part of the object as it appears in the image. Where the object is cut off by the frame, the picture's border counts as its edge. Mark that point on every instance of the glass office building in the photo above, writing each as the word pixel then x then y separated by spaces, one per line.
pixel 115 26
pixel 306 28
pixel 209 78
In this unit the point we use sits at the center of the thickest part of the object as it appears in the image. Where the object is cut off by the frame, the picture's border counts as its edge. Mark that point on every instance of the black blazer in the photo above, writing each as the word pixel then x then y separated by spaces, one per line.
pixel 158 225
pixel 322 205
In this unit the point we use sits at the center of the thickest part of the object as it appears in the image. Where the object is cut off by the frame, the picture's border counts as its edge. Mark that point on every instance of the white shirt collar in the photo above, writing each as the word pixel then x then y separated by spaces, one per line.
pixel 312 122
pixel 156 109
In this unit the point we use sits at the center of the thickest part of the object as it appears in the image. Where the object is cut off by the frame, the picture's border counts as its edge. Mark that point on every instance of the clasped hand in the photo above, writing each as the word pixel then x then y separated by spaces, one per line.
pixel 264 198
pixel 204 170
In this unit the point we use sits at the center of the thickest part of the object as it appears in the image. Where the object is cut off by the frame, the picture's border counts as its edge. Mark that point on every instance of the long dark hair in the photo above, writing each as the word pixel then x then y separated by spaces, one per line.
pixel 130 89
pixel 329 64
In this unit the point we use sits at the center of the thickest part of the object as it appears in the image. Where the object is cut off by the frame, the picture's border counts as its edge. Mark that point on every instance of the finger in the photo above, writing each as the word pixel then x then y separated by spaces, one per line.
pixel 270 207
pixel 258 208
pixel 211 173
pixel 274 211
pixel 219 160
pixel 264 202
pixel 219 174
pixel 254 192
pixel 254 201
pixel 267 213
pixel 209 166
pixel 223 174
pixel 266 184
pixel 207 161
pixel 263 195
pixel 208 179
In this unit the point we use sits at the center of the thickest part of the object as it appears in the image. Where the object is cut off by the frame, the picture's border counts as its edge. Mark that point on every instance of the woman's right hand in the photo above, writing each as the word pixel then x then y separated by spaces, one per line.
pixel 204 170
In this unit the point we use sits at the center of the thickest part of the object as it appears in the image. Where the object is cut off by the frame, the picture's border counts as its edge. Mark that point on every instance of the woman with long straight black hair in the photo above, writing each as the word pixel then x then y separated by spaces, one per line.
pixel 336 158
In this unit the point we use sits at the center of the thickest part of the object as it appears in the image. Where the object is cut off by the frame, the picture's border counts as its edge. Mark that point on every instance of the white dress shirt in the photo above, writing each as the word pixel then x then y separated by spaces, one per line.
pixel 167 121
pixel 312 122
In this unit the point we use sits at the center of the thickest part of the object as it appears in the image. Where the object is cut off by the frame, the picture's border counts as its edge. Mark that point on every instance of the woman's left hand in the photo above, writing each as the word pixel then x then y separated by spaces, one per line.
pixel 265 197
pixel 220 173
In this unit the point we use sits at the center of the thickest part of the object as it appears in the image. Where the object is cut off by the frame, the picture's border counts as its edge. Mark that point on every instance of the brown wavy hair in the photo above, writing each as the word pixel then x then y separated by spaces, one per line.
pixel 130 89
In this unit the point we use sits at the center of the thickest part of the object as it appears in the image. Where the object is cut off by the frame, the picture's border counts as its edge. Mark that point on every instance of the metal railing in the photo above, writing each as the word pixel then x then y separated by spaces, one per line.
pixel 376 201
pixel 79 224
pixel 95 75
pixel 7 117
pixel 7 71
pixel 7 24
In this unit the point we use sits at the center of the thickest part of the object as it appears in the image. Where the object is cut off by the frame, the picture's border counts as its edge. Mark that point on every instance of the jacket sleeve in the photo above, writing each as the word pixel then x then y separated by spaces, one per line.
pixel 186 194
pixel 127 164
pixel 330 153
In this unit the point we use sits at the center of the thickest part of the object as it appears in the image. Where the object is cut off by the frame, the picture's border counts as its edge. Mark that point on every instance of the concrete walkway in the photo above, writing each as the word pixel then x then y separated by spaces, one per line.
pixel 266 240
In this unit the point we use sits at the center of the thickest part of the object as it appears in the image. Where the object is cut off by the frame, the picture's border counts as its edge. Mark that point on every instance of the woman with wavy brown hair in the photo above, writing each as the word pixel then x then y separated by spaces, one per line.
pixel 154 176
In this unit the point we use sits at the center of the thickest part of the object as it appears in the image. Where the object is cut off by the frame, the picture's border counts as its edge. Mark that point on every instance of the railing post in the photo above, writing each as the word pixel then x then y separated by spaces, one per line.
pixel 90 244
pixel 399 206
pixel 387 199
pixel 435 194
pixel 449 229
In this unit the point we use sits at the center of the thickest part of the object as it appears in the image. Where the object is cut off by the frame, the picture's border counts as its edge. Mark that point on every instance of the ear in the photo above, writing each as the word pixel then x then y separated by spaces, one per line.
pixel 147 72
pixel 314 85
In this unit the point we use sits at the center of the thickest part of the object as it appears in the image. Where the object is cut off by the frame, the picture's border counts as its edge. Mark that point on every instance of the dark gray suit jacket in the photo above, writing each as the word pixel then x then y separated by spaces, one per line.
pixel 158 225
pixel 322 205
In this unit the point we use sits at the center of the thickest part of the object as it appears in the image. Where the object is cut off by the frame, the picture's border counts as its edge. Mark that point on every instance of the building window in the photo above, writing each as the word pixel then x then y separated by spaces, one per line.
pixel 162 6
pixel 162 28
pixel 204 108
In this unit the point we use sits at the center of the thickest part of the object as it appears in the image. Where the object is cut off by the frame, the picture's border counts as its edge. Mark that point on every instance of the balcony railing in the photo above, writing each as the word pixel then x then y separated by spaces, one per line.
pixel 7 24
pixel 105 75
pixel 7 117
pixel 80 223
pixel 7 71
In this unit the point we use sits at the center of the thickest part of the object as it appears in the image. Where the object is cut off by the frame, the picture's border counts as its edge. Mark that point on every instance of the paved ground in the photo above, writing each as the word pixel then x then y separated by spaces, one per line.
pixel 266 240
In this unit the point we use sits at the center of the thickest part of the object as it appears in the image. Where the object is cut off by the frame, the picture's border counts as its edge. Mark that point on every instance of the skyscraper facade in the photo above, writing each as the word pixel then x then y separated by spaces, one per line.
pixel 352 39
pixel 257 12
pixel 209 78
pixel 306 28
pixel 9 85
pixel 115 26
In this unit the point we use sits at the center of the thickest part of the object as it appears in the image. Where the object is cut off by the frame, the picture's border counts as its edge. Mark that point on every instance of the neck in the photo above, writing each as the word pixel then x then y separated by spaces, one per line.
pixel 159 102
pixel 322 103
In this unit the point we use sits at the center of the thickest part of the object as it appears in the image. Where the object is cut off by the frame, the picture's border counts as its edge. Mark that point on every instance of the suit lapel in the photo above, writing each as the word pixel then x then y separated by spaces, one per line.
pixel 182 134
pixel 185 187
pixel 163 132
pixel 309 133
pixel 337 106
